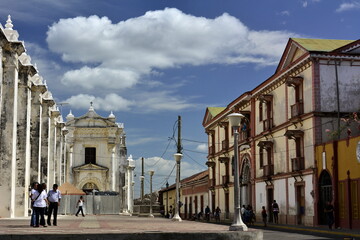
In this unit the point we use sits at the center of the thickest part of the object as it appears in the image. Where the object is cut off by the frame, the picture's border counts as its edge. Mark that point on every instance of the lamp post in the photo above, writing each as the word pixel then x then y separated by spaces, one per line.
pixel 177 217
pixel 151 173
pixel 237 224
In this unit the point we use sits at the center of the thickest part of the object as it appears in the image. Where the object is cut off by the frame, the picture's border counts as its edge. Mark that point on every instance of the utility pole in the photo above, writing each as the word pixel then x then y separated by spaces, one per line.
pixel 142 179
pixel 179 148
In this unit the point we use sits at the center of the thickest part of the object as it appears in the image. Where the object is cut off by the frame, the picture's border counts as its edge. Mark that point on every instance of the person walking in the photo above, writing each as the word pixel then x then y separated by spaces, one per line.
pixel 54 197
pixel 207 213
pixel 217 214
pixel 32 192
pixel 80 205
pixel 243 209
pixel 264 216
pixel 275 208
pixel 171 212
pixel 40 203
pixel 329 211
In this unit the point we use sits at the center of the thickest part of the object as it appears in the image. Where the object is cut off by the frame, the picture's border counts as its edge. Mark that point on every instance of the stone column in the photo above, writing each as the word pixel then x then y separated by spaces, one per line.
pixel 23 136
pixel 122 171
pixel 71 162
pixel 53 138
pixel 47 102
pixel 13 73
pixel 8 130
pixel 59 151
pixel 130 178
pixel 113 164
pixel 64 132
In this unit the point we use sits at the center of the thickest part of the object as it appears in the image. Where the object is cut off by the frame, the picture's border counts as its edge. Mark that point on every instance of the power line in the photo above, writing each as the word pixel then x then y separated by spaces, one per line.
pixel 195 151
pixel 193 159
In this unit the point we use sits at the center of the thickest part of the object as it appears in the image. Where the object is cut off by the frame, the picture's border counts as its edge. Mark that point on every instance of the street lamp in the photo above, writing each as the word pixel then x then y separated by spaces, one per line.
pixel 237 224
pixel 178 157
pixel 151 173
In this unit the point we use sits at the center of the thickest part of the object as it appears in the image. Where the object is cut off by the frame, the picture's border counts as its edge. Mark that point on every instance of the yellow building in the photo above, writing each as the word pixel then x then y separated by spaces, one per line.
pixel 167 197
pixel 285 120
pixel 338 164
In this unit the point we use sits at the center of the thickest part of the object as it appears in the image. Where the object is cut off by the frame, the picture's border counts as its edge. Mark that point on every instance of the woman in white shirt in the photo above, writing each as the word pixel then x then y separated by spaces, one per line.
pixel 32 192
pixel 40 203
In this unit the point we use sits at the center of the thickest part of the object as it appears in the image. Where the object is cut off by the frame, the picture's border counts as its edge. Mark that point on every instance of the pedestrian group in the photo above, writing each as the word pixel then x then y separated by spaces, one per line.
pixel 43 203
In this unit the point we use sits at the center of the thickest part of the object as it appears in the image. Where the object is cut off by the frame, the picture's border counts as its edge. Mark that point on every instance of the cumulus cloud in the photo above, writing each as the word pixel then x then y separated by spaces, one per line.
pixel 106 78
pixel 119 54
pixel 348 6
pixel 162 100
pixel 111 102
pixel 202 147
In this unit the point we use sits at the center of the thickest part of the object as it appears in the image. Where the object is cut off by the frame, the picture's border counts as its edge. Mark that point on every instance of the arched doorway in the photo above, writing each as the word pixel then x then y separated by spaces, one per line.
pixel 89 187
pixel 245 177
pixel 325 194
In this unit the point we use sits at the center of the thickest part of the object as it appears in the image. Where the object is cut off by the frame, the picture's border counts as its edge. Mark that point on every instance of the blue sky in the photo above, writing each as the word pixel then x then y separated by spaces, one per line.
pixel 149 61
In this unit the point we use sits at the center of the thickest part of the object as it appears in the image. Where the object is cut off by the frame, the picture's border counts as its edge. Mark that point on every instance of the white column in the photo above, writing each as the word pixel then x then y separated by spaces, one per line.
pixel 1 81
pixel 61 179
pixel 40 139
pixel 65 159
pixel 70 165
pixel 130 195
pixel 54 156
pixel 113 161
pixel 28 152
pixel 49 152
pixel 14 141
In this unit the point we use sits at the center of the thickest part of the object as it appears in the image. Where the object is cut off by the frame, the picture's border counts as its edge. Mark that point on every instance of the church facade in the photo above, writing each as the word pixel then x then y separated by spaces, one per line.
pixel 96 152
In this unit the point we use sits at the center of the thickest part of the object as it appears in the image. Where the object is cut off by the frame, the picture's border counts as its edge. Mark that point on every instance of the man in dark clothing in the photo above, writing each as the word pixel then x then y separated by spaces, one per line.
pixel 275 208
pixel 54 197
pixel 329 210
pixel 207 213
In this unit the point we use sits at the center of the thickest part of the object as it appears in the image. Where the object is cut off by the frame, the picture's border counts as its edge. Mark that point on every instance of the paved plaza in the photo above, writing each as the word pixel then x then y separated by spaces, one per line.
pixel 104 227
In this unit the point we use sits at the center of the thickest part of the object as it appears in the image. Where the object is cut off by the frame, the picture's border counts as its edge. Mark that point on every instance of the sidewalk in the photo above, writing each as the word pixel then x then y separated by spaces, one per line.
pixel 343 233
pixel 346 233
pixel 111 227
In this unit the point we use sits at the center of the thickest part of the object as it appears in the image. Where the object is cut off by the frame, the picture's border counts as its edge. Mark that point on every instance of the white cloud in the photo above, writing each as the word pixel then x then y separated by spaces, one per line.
pixel 202 147
pixel 121 53
pixel 106 78
pixel 285 13
pixel 111 102
pixel 305 4
pixel 162 100
pixel 348 6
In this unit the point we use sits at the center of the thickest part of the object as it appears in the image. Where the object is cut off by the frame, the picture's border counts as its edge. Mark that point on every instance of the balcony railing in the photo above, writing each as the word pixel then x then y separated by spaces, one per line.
pixel 211 150
pixel 297 164
pixel 268 170
pixel 297 109
pixel 225 145
pixel 243 135
pixel 268 124
pixel 225 179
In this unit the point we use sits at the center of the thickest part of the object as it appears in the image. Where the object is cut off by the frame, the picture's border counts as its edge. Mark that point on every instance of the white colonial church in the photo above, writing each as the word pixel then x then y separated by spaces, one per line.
pixel 95 152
